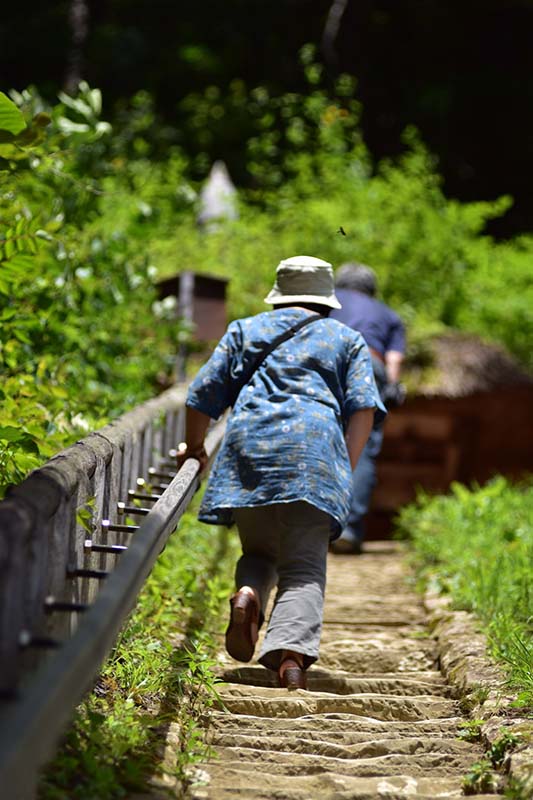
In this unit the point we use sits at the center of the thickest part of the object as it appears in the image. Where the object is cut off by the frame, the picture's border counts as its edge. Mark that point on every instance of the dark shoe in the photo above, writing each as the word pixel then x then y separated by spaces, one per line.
pixel 345 546
pixel 291 676
pixel 241 635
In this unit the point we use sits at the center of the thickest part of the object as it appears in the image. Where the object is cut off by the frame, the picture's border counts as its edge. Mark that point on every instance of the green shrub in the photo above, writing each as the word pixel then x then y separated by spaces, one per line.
pixel 310 172
pixel 90 215
pixel 79 342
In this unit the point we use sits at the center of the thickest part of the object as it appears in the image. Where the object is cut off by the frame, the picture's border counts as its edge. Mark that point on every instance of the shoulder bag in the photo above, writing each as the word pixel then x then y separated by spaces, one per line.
pixel 260 357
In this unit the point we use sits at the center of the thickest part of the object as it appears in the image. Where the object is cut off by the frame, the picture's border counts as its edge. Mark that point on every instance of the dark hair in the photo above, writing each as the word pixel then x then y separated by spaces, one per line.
pixel 318 308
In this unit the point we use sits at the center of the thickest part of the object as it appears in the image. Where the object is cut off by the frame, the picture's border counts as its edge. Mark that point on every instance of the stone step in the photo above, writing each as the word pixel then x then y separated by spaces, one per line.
pixel 385 620
pixel 338 636
pixel 340 727
pixel 264 702
pixel 319 680
pixel 265 677
pixel 365 600
pixel 282 763
pixel 367 746
pixel 229 783
pixel 378 721
pixel 386 637
pixel 338 607
pixel 362 660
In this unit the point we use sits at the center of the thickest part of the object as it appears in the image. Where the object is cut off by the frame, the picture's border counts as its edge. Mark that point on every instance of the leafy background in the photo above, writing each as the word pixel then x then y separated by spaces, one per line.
pixel 461 72
pixel 92 214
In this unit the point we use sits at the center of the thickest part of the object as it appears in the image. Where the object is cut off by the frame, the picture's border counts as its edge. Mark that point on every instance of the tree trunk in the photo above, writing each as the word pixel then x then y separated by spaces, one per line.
pixel 331 30
pixel 79 25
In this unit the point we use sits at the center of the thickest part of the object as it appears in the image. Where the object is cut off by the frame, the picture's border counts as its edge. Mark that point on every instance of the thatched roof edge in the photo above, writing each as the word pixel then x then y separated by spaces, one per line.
pixel 457 364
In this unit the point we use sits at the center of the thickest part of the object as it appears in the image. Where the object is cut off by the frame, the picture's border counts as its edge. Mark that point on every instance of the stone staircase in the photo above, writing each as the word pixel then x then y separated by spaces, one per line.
pixel 378 719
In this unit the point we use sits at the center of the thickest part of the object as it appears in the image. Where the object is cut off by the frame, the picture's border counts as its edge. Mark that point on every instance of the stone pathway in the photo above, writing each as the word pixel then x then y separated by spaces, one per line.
pixel 377 721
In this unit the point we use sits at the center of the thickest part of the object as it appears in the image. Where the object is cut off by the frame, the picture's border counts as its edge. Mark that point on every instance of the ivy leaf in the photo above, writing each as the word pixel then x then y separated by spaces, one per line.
pixel 11 118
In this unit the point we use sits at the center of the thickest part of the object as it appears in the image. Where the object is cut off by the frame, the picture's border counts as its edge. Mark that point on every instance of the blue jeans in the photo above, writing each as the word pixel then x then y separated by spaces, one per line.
pixel 364 475
pixel 364 480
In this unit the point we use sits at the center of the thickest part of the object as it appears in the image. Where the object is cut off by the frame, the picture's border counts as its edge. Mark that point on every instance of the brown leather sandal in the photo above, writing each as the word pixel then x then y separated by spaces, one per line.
pixel 241 635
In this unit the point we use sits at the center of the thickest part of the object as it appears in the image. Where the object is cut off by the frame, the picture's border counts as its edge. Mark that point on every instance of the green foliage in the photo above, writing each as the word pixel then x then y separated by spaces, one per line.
pixel 90 215
pixel 85 515
pixel 11 120
pixel 79 339
pixel 481 777
pixel 470 730
pixel 159 675
pixel 311 172
pixel 477 545
pixel 503 745
pixel 516 790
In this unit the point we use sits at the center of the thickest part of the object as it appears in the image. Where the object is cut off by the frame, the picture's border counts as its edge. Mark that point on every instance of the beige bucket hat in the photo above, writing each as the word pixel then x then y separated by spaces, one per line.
pixel 303 279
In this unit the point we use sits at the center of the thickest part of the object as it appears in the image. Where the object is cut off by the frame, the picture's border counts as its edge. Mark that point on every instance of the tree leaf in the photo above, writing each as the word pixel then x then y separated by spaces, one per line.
pixel 66 125
pixel 21 264
pixel 76 104
pixel 29 137
pixel 42 119
pixel 9 248
pixel 11 118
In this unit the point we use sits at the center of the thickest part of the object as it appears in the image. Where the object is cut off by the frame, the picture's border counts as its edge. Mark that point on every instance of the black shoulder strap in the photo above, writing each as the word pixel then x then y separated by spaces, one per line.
pixel 287 334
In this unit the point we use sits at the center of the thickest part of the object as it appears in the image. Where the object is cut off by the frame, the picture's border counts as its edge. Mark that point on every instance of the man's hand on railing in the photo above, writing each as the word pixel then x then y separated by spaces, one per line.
pixel 196 451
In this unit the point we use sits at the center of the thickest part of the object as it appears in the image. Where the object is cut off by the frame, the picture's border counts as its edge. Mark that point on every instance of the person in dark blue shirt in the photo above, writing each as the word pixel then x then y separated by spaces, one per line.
pixel 384 333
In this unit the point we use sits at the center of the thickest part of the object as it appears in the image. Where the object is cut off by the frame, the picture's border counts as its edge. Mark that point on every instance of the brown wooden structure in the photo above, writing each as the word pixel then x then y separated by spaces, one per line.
pixel 472 419
pixel 201 301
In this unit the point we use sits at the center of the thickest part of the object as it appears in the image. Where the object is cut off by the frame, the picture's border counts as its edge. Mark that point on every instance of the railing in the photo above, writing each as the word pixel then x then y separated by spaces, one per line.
pixel 71 566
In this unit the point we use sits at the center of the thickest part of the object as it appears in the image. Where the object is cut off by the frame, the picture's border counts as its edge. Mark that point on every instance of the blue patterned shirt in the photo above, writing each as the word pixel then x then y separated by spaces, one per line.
pixel 285 436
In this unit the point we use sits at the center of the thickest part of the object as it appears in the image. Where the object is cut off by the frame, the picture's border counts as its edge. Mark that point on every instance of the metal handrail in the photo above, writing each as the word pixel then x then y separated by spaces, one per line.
pixel 34 716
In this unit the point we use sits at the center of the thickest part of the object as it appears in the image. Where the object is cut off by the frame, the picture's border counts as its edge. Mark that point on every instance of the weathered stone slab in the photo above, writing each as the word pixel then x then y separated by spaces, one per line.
pixel 273 703
pixel 371 659
pixel 254 785
pixel 368 746
pixel 346 683
pixel 338 725
pixel 280 763
pixel 468 667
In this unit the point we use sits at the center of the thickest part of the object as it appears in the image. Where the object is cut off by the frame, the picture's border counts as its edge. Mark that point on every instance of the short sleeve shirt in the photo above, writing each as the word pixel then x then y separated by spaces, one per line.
pixel 284 439
pixel 381 328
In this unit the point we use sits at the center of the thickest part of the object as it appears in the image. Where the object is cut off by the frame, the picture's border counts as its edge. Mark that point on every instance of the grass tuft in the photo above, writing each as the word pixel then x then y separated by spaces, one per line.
pixel 477 546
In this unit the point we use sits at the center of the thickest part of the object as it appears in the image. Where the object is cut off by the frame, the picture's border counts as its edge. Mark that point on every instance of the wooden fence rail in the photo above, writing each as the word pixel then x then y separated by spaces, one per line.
pixel 71 566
